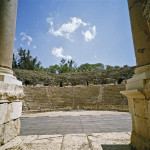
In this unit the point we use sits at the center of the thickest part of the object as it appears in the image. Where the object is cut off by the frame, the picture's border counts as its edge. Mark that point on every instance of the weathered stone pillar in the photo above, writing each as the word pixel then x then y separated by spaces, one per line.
pixel 140 32
pixel 138 87
pixel 11 91
pixel 8 11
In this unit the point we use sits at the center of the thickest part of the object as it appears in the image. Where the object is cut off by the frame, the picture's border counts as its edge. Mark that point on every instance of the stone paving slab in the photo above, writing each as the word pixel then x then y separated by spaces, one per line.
pixel 87 122
pixel 96 141
pixel 87 130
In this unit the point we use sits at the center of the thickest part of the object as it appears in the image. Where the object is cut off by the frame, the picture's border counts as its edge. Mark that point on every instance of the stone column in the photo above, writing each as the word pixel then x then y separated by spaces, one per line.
pixel 140 31
pixel 8 11
pixel 138 87
pixel 11 91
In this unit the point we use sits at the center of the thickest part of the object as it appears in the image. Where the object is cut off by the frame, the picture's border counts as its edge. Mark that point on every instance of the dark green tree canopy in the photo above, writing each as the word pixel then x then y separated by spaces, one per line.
pixel 25 60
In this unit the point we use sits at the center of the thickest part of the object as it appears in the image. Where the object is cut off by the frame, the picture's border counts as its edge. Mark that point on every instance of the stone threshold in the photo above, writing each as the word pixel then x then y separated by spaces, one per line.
pixel 95 141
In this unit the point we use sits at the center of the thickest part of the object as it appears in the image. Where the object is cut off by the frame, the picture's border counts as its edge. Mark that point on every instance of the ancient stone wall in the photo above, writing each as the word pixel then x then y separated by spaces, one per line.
pixel 98 97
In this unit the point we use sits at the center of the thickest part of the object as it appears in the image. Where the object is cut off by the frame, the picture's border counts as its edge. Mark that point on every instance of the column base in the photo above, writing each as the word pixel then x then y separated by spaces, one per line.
pixel 138 94
pixel 11 95
pixel 6 70
pixel 8 78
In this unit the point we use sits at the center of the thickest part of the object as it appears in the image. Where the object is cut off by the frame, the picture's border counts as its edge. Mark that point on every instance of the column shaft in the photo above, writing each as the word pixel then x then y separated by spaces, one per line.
pixel 8 11
pixel 140 32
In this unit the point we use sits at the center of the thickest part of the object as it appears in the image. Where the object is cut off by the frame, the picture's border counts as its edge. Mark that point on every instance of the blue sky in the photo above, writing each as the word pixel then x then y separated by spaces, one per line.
pixel 87 31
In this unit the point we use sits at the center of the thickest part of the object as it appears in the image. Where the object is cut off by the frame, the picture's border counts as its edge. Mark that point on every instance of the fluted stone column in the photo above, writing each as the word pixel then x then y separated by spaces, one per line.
pixel 138 87
pixel 11 91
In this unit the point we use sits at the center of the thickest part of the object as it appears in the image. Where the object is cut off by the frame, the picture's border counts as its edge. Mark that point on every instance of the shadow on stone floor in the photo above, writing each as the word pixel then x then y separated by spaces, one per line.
pixel 116 147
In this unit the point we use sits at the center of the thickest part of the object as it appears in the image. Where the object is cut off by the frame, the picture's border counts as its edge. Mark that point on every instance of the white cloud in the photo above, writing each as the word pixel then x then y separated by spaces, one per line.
pixel 89 34
pixel 67 28
pixel 34 46
pixel 26 37
pixel 50 21
pixel 58 53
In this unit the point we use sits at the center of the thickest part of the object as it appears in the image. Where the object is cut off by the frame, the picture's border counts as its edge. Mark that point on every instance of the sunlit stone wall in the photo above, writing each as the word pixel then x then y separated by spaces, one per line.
pixel 98 97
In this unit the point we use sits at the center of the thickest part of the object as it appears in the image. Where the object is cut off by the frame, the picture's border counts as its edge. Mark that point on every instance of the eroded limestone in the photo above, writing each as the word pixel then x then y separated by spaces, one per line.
pixel 9 130
pixel 139 106
pixel 10 111
pixel 98 141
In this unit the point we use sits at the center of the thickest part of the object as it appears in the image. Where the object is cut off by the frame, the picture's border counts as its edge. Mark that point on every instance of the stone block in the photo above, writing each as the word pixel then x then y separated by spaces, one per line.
pixel 10 92
pixel 139 142
pixel 76 141
pixel 141 76
pixel 142 127
pixel 131 94
pixel 147 93
pixel 131 106
pixel 10 87
pixel 148 110
pixel 140 107
pixel 133 124
pixel 139 84
pixel 10 111
pixel 9 130
pixel 142 69
pixel 10 79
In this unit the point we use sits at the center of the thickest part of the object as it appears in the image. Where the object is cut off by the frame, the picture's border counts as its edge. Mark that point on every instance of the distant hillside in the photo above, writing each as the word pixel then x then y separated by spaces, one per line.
pixel 76 78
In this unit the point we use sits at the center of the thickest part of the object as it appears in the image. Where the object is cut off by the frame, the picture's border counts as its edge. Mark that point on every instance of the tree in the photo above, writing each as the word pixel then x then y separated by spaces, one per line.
pixel 54 69
pixel 98 66
pixel 62 62
pixel 108 67
pixel 67 66
pixel 117 67
pixel 85 67
pixel 25 60
pixel 70 63
pixel 14 63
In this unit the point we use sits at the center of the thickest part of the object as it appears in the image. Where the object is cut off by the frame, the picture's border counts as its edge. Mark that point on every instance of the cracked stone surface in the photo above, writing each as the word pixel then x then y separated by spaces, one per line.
pixel 98 141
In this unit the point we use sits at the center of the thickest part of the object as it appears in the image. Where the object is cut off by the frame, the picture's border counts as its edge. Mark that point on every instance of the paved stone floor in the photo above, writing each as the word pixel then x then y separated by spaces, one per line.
pixel 90 130
pixel 76 122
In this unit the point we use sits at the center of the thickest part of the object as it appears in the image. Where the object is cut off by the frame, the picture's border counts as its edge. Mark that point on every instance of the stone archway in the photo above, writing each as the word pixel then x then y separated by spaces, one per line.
pixel 137 90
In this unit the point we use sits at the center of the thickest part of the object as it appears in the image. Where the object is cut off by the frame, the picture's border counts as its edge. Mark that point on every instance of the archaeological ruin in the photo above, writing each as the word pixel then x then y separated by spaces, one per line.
pixel 137 88
pixel 11 91
pixel 54 98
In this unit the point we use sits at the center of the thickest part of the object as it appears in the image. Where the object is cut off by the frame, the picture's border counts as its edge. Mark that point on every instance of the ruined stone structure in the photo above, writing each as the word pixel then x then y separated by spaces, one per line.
pixel 98 97
pixel 11 91
pixel 138 87
pixel 137 90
